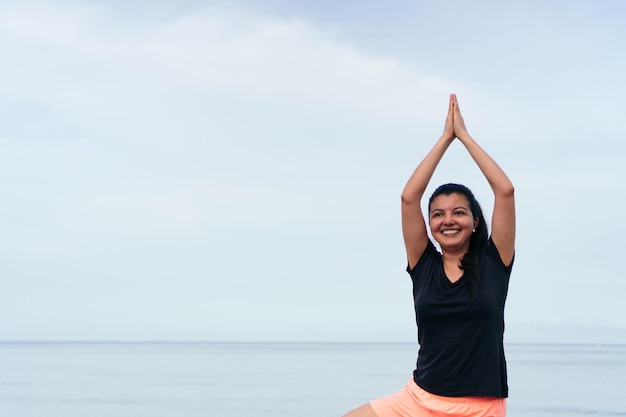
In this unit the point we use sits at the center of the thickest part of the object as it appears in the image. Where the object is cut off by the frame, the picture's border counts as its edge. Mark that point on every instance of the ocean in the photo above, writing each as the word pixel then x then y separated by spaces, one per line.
pixel 189 379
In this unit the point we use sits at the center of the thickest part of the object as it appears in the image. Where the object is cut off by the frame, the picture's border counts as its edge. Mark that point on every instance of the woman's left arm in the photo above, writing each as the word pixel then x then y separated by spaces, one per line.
pixel 503 220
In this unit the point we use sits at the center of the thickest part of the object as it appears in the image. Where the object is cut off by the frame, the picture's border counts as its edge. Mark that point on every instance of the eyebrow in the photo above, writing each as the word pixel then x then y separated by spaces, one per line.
pixel 455 208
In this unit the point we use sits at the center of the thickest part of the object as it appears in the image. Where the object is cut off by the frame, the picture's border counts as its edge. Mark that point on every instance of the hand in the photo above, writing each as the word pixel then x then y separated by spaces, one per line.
pixel 458 122
pixel 448 129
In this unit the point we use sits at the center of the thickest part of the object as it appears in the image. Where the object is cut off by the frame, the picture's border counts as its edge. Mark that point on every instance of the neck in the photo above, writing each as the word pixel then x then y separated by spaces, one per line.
pixel 453 256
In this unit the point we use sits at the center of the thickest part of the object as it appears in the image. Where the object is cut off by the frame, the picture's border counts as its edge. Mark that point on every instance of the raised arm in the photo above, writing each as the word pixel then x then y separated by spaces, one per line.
pixel 503 220
pixel 413 224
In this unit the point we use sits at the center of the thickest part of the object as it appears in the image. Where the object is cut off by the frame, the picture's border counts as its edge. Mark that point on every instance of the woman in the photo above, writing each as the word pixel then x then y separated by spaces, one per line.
pixel 459 293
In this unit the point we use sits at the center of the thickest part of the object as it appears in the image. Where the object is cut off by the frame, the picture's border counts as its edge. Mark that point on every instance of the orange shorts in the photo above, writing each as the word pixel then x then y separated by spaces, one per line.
pixel 413 401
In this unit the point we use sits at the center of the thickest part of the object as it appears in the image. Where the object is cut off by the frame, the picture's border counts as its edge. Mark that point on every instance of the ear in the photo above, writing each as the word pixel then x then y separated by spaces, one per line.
pixel 476 221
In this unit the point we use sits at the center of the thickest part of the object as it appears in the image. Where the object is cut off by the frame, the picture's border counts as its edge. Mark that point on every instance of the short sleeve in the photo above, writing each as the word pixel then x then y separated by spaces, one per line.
pixel 427 255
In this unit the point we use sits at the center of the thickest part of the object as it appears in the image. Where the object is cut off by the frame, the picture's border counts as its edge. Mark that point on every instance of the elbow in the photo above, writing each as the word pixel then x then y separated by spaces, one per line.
pixel 411 195
pixel 408 199
pixel 508 191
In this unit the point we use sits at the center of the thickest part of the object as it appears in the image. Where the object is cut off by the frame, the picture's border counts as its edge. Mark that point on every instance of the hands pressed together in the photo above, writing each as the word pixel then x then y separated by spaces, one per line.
pixel 455 125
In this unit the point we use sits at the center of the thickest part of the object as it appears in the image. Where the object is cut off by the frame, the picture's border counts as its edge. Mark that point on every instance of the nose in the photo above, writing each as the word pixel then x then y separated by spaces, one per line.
pixel 448 219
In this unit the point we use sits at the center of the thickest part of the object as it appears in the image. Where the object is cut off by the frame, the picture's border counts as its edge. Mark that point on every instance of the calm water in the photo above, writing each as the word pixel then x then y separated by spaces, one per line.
pixel 280 379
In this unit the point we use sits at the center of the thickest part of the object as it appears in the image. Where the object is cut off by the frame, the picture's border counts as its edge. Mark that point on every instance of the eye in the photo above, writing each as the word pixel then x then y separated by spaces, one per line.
pixel 459 212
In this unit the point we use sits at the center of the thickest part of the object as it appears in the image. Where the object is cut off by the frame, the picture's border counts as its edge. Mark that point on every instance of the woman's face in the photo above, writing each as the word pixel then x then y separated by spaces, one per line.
pixel 451 222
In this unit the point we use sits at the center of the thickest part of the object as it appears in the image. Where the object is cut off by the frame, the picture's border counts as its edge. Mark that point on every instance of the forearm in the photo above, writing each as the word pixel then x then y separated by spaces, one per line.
pixel 497 178
pixel 417 183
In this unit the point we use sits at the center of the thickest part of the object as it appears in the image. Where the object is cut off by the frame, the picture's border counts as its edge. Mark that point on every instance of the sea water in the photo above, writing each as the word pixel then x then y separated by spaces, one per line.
pixel 280 379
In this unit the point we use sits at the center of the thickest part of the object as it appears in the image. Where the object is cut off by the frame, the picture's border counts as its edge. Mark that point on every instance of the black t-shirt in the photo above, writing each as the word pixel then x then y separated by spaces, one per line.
pixel 461 337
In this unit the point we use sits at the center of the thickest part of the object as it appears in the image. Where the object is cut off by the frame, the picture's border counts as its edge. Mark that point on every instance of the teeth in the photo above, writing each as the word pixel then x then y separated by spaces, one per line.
pixel 450 232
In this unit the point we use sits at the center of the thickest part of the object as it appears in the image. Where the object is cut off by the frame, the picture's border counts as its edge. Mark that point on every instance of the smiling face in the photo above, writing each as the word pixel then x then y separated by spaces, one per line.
pixel 452 222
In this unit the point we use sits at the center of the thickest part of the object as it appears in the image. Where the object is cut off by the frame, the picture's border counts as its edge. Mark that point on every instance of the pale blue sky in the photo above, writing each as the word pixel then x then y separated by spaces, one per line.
pixel 232 171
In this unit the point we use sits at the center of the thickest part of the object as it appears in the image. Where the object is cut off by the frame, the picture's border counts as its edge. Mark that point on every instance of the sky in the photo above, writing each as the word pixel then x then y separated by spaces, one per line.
pixel 232 170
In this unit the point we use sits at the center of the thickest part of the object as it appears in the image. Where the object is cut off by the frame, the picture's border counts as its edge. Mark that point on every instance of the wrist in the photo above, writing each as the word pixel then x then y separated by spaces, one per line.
pixel 447 137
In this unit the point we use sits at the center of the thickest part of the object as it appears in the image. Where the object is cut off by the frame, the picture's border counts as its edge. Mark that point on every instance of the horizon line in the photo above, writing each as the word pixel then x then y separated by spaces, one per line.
pixel 302 342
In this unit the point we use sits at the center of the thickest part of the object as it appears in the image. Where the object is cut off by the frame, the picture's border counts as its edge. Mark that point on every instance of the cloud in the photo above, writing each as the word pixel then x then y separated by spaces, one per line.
pixel 219 50
pixel 177 152
pixel 125 158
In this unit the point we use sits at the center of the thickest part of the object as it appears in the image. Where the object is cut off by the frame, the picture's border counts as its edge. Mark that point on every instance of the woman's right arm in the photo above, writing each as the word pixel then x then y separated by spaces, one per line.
pixel 413 224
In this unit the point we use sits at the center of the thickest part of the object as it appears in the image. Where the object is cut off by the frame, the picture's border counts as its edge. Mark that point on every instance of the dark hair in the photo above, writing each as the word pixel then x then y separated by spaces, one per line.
pixel 470 263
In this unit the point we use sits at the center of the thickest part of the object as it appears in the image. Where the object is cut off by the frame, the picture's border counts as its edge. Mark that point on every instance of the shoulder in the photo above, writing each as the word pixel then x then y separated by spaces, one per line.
pixel 429 258
pixel 491 256
pixel 492 251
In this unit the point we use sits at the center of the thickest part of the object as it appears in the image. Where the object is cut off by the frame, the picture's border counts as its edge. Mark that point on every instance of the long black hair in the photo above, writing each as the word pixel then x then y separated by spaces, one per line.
pixel 470 263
